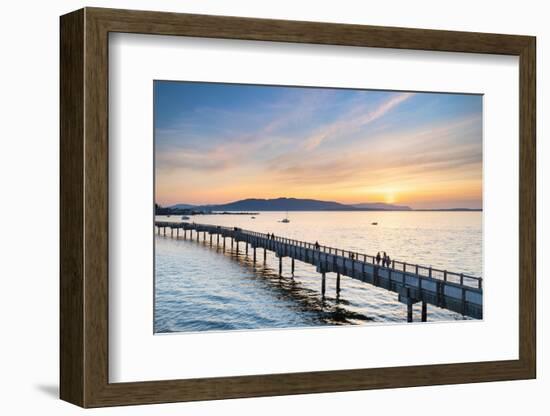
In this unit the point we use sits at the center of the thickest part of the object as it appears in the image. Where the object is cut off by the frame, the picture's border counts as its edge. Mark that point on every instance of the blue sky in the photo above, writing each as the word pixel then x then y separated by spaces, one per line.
pixel 217 143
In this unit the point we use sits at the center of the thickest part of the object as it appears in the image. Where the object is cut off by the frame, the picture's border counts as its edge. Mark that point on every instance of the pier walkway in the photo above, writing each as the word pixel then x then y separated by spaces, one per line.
pixel 413 283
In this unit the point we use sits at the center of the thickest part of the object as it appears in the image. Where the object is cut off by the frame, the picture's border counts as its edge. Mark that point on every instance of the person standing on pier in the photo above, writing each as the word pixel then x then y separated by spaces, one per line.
pixel 378 258
pixel 317 246
pixel 384 259
pixel 388 261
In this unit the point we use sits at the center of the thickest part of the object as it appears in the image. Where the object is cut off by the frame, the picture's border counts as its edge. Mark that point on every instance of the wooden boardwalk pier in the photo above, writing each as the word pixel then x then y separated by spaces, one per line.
pixel 413 283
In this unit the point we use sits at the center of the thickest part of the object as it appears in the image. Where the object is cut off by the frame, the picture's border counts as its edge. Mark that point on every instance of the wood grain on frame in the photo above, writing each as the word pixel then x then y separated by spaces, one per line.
pixel 84 207
pixel 71 212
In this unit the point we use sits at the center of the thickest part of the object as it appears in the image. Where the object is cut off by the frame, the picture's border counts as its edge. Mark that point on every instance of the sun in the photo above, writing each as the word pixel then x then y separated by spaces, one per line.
pixel 389 196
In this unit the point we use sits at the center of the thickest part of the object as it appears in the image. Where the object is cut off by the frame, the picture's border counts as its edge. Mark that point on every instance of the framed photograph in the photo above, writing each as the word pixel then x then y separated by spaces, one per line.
pixel 255 207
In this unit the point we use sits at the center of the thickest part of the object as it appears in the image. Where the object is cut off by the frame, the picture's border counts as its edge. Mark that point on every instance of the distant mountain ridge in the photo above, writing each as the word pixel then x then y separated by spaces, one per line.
pixel 281 204
pixel 292 204
pixel 182 206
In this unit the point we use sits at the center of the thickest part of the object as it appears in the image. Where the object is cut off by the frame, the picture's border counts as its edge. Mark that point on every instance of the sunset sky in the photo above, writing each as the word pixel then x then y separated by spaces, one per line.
pixel 217 143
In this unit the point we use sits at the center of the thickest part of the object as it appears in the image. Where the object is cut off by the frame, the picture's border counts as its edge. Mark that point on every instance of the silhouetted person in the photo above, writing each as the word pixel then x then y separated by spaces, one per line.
pixel 378 258
pixel 317 245
pixel 388 260
pixel 384 259
pixel 272 236
pixel 352 256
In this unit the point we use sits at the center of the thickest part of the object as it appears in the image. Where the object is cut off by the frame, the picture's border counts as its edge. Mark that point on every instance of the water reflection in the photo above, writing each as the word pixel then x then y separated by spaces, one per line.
pixel 199 287
pixel 287 287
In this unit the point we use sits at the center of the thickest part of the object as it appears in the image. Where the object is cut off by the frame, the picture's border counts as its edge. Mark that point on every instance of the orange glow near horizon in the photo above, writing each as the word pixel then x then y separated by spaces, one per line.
pixel 459 194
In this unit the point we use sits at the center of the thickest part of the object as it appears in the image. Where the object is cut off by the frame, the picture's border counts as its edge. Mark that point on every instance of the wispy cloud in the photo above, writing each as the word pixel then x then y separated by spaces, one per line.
pixel 360 118
pixel 180 146
pixel 413 161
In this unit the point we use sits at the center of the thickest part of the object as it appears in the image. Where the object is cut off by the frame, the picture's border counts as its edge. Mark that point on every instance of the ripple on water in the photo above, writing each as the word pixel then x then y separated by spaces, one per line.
pixel 203 288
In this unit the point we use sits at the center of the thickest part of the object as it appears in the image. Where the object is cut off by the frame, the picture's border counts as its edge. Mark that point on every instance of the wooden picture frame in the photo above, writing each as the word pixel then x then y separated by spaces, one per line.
pixel 84 207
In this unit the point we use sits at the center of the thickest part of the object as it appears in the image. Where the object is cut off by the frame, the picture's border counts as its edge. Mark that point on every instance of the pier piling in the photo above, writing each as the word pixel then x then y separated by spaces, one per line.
pixel 323 283
pixel 337 284
pixel 409 312
pixel 424 312
pixel 280 266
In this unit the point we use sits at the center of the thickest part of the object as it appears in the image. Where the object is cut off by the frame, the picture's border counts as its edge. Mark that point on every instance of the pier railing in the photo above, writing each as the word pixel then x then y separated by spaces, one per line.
pixel 420 270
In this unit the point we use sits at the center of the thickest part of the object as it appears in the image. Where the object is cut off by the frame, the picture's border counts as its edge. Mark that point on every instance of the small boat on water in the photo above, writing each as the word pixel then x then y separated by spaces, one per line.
pixel 374 223
pixel 253 218
pixel 185 217
pixel 285 219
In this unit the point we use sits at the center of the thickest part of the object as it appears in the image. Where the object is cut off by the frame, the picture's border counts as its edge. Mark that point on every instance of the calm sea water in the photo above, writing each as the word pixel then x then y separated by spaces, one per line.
pixel 203 288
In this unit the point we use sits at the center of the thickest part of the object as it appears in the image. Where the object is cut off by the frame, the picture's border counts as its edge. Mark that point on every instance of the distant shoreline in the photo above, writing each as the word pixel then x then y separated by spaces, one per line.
pixel 353 210
pixel 297 204
pixel 322 210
